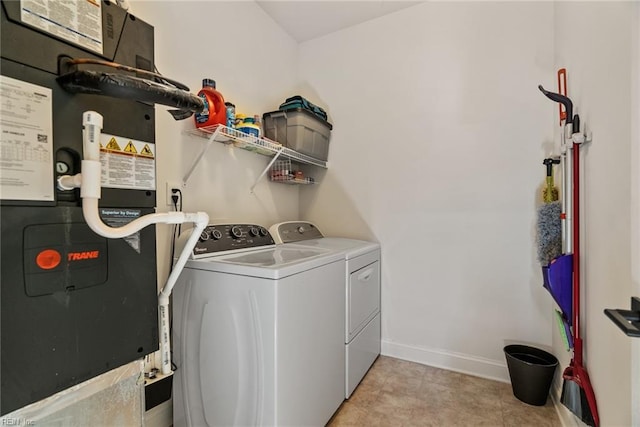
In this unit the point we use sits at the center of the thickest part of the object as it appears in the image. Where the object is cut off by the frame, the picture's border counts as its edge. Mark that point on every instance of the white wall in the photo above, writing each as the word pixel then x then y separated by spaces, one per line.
pixel 635 205
pixel 598 57
pixel 437 148
pixel 254 64
pixel 436 153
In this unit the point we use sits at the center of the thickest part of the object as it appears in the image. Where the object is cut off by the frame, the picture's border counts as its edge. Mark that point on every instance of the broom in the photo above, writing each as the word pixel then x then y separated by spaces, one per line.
pixel 577 391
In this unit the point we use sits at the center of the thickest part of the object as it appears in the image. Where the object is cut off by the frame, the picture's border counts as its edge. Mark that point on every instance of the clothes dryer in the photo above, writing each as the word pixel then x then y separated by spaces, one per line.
pixel 258 332
pixel 361 282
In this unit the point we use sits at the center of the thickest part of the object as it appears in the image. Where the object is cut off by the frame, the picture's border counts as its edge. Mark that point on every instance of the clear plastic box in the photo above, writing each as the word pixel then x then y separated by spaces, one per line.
pixel 299 130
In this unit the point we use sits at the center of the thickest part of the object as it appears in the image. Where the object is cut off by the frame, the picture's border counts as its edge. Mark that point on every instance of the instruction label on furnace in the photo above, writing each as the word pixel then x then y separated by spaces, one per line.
pixel 26 141
pixel 127 163
pixel 117 217
pixel 78 21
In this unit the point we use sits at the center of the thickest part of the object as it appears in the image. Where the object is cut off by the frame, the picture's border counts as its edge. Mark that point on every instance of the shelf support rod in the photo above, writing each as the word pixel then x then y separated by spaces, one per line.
pixel 205 147
pixel 267 168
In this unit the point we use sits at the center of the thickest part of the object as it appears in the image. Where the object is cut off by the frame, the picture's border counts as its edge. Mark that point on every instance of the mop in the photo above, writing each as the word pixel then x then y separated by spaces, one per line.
pixel 558 271
pixel 556 268
pixel 549 222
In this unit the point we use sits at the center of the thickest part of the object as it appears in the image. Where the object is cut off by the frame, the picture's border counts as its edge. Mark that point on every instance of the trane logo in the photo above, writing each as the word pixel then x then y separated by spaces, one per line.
pixel 78 256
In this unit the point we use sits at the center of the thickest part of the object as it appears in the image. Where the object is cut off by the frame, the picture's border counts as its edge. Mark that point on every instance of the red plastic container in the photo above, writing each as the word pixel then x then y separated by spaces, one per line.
pixel 215 112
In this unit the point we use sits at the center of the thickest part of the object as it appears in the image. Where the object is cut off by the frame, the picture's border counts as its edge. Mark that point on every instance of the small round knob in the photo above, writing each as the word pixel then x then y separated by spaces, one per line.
pixel 216 235
pixel 263 231
pixel 254 231
pixel 301 229
pixel 236 232
pixel 204 236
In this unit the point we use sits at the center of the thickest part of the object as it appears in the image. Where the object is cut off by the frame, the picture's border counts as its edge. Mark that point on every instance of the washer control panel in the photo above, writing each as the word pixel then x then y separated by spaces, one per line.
pixel 231 237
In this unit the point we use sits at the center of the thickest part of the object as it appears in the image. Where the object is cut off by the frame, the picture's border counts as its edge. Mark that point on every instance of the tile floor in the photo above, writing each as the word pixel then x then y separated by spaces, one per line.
pixel 397 393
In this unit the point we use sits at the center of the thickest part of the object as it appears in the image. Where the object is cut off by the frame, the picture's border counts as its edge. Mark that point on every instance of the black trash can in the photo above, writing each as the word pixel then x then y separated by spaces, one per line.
pixel 531 371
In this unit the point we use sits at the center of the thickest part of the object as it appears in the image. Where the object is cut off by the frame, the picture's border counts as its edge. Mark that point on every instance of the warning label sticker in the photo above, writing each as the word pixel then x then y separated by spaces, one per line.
pixel 112 144
pixel 79 22
pixel 130 148
pixel 146 151
pixel 132 167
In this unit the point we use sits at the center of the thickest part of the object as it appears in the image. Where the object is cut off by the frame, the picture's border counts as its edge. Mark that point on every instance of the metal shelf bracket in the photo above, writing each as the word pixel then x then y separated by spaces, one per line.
pixel 266 169
pixel 205 147
pixel 627 320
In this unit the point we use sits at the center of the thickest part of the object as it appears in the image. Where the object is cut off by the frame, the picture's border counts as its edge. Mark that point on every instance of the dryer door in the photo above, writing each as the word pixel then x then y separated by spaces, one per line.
pixel 363 293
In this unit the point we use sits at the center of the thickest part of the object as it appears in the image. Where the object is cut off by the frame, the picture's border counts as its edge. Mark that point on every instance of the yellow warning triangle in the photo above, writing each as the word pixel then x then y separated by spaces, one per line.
pixel 113 144
pixel 130 148
pixel 146 151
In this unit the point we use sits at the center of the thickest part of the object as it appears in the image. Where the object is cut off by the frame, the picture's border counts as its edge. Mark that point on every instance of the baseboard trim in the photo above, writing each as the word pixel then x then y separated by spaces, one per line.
pixel 459 362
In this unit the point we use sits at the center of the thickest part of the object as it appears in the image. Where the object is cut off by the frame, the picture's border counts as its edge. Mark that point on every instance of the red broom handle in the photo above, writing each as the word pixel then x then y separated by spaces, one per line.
pixel 577 352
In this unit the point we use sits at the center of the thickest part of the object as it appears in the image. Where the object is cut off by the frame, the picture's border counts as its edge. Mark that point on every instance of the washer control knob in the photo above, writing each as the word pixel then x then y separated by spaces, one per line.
pixel 263 231
pixel 301 230
pixel 254 231
pixel 216 234
pixel 204 236
pixel 236 232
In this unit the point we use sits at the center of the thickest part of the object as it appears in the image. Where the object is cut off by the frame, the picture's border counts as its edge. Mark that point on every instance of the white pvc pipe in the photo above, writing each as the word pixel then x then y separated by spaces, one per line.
pixel 69 182
pixel 90 191
pixel 163 298
pixel 92 127
pixel 92 216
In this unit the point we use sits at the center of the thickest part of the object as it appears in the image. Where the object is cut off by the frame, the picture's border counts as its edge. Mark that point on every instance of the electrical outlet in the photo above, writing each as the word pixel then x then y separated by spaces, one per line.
pixel 170 187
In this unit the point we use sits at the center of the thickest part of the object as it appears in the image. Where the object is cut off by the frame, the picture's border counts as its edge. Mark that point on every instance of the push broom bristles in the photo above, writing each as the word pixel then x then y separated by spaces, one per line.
pixel 578 396
pixel 574 398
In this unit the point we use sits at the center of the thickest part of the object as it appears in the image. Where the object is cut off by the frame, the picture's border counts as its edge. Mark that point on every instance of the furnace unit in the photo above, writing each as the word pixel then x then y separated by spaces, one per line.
pixel 74 304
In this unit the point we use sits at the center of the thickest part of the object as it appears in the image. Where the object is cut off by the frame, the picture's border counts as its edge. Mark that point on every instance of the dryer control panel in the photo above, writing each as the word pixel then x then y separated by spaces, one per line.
pixel 218 238
pixel 295 231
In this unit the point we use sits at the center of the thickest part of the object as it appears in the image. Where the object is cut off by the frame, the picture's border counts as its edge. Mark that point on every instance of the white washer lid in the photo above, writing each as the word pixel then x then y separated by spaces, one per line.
pixel 272 263
pixel 351 248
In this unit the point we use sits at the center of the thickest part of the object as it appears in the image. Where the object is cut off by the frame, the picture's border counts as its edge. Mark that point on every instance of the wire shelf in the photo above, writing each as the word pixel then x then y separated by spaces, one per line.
pixel 288 172
pixel 266 147
pixel 227 135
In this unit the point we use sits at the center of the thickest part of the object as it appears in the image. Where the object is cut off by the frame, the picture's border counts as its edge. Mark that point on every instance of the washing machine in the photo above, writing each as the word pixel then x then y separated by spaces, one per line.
pixel 361 285
pixel 257 332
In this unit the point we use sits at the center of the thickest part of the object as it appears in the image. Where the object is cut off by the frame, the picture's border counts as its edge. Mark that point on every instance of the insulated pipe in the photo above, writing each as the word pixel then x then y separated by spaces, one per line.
pixel 90 190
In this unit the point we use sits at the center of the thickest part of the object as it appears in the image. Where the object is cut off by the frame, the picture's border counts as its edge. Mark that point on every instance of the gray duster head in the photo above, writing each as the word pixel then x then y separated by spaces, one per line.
pixel 549 232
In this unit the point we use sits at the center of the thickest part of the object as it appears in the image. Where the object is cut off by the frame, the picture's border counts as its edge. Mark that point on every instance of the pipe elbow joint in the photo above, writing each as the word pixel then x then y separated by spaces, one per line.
pixel 202 219
pixel 69 182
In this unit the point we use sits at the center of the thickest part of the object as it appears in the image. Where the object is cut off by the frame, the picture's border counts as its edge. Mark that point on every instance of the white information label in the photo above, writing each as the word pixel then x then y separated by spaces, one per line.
pixel 127 163
pixel 79 21
pixel 26 141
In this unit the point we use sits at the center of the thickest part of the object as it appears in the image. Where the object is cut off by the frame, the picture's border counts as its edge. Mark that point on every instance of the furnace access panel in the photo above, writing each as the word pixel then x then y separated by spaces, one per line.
pixel 73 304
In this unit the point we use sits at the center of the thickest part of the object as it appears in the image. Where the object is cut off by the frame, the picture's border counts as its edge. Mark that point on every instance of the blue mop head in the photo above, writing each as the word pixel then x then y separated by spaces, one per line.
pixel 549 232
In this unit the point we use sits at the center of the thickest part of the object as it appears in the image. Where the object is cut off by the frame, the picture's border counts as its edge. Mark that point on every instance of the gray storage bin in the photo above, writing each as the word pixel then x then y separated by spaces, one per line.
pixel 299 130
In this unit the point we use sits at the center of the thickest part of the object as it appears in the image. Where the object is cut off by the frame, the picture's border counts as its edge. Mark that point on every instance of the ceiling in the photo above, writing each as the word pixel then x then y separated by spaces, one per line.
pixel 305 20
